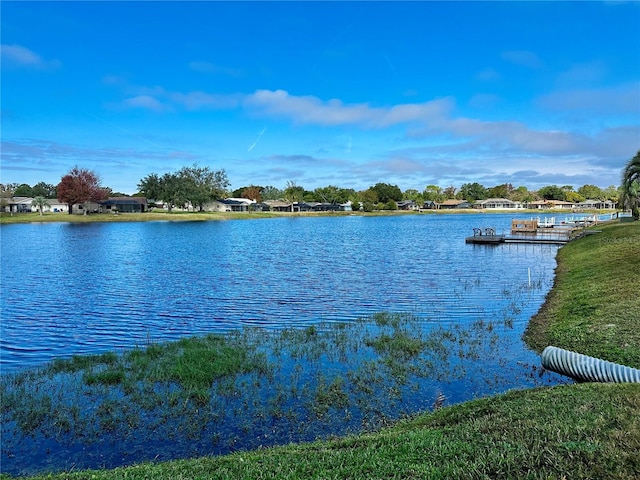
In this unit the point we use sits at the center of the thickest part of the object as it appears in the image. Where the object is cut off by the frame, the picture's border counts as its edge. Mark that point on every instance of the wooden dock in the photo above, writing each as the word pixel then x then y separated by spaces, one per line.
pixel 526 232
pixel 519 238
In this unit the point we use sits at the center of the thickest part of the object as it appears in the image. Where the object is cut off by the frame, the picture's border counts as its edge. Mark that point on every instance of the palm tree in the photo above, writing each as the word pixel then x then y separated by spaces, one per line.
pixel 630 197
pixel 40 202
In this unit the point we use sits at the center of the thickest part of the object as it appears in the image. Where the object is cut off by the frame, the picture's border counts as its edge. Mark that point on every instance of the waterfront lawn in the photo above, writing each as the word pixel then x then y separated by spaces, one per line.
pixel 152 216
pixel 594 306
pixel 577 431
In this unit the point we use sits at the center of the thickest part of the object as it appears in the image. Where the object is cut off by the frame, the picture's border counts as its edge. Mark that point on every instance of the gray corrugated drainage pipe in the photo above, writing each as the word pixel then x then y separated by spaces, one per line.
pixel 587 369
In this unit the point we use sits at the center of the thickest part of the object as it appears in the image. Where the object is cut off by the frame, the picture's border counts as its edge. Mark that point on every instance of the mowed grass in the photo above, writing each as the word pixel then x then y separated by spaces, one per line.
pixel 594 306
pixel 581 431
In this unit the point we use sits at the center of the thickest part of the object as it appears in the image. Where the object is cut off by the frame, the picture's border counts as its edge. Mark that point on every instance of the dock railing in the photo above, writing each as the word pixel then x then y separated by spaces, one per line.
pixel 524 226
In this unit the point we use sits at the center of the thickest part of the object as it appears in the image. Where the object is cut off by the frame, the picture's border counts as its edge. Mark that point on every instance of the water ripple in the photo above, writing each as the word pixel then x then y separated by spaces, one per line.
pixel 95 287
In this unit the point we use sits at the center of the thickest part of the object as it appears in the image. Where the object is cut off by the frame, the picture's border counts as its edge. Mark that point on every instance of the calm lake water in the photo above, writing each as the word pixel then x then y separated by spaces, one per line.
pixel 91 288
pixel 88 288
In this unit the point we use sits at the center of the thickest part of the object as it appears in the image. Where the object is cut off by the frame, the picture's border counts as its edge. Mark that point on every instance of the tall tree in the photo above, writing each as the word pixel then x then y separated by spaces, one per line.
pixel 203 185
pixel 45 190
pixel 472 192
pixel 591 192
pixel 552 192
pixel 80 186
pixel 521 194
pixel 630 188
pixel 610 193
pixel 6 192
pixel 500 191
pixel 271 193
pixel 252 192
pixel 293 193
pixel 23 190
pixel 413 194
pixel 332 194
pixel 449 192
pixel 386 192
pixel 434 193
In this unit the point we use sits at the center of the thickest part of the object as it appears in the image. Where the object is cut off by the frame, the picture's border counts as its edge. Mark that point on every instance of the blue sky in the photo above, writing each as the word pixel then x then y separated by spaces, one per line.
pixel 327 93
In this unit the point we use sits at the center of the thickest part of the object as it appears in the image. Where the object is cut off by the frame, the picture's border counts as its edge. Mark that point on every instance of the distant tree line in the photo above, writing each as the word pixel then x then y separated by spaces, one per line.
pixel 196 186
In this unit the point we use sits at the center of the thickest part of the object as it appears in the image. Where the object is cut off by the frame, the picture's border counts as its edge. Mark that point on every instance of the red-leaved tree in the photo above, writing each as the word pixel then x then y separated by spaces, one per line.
pixel 80 186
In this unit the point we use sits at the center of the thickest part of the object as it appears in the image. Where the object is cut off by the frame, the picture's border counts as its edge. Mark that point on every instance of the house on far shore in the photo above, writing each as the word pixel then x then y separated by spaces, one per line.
pixel 407 205
pixel 24 205
pixel 596 205
pixel 550 204
pixel 497 203
pixel 280 206
pixel 229 205
pixel 17 205
pixel 454 203
pixel 124 205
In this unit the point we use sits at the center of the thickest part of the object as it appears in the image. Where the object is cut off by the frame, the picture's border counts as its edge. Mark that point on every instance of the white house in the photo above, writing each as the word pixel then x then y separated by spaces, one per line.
pixel 497 203
pixel 229 205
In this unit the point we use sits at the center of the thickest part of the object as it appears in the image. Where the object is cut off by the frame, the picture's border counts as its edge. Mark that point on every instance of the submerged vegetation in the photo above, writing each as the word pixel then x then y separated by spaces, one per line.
pixel 247 389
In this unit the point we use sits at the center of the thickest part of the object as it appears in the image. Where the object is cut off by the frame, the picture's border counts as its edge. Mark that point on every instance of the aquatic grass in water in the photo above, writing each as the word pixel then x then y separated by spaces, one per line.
pixel 215 394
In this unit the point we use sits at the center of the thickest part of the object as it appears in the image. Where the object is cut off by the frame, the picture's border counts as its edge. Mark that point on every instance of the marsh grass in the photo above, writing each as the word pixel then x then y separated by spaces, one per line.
pixel 246 389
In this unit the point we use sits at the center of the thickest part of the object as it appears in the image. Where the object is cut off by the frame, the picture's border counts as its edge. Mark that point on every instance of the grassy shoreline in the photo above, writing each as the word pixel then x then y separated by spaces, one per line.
pixel 157 216
pixel 594 305
pixel 575 431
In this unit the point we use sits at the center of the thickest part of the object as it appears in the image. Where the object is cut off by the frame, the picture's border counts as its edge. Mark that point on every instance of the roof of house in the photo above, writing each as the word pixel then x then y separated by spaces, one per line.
pixel 241 200
pixel 453 201
pixel 495 200
pixel 124 201
pixel 551 202
pixel 277 203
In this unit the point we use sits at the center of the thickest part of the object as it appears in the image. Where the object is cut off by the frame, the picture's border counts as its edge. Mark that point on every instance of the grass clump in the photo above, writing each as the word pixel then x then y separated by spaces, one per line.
pixel 594 306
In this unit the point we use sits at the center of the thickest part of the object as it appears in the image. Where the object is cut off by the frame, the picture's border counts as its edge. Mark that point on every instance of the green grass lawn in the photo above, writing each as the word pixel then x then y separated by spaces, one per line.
pixel 581 431
pixel 594 306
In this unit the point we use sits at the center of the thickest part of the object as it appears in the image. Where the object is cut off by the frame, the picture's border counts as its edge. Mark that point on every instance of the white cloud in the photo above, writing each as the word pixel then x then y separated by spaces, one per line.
pixel 433 123
pixel 620 99
pixel 199 100
pixel 145 102
pixel 312 110
pixel 19 56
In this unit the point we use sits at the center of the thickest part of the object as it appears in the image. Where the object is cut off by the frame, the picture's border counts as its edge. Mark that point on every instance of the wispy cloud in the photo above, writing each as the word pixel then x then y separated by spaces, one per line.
pixel 19 56
pixel 488 75
pixel 427 120
pixel 212 68
pixel 620 99
pixel 145 102
pixel 523 58
pixel 51 155
pixel 582 74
